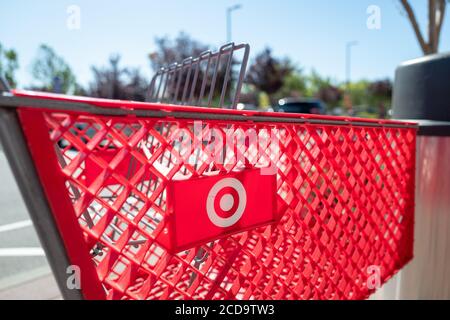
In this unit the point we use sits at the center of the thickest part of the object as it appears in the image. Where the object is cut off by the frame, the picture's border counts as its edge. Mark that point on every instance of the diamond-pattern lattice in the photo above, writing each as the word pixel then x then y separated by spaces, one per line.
pixel 346 193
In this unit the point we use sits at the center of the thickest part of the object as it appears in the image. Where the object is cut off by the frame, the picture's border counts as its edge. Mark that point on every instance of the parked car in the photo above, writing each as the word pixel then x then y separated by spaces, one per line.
pixel 243 106
pixel 300 105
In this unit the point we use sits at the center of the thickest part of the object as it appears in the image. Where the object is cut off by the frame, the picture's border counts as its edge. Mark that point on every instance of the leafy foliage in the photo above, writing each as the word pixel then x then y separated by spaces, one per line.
pixel 115 82
pixel 8 65
pixel 52 72
pixel 330 94
pixel 295 85
pixel 168 51
pixel 381 93
pixel 267 73
pixel 371 99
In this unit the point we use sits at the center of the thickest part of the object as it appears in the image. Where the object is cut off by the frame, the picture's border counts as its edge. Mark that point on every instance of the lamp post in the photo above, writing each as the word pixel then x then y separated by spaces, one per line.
pixel 348 60
pixel 348 65
pixel 229 11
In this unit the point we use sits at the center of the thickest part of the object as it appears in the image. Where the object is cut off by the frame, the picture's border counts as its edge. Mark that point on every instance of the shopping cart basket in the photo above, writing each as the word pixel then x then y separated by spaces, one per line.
pixel 162 201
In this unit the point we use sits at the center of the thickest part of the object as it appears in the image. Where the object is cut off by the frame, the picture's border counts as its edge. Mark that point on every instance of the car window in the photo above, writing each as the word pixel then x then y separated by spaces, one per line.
pixel 300 108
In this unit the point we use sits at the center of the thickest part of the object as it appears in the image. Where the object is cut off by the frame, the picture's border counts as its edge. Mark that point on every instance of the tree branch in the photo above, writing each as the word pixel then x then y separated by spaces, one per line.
pixel 432 25
pixel 415 25
pixel 442 5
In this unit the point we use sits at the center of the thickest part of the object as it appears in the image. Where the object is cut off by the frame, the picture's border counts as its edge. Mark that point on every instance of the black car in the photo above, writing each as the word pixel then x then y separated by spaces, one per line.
pixel 300 105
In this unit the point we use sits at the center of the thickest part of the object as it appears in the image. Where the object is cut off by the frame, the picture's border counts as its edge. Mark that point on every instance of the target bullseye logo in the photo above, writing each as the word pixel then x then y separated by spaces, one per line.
pixel 204 209
pixel 226 202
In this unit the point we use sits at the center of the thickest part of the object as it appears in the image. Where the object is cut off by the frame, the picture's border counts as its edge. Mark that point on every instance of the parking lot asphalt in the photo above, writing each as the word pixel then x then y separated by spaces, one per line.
pixel 22 259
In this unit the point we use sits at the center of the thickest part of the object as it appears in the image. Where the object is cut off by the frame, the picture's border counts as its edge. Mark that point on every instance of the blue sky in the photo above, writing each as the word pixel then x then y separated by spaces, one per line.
pixel 312 33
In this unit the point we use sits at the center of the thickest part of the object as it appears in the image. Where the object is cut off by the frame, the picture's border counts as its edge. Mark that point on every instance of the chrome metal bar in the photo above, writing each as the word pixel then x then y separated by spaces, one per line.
pixel 9 101
pixel 194 82
pixel 188 77
pixel 177 88
pixel 214 77
pixel 165 83
pixel 241 76
pixel 177 76
pixel 173 82
pixel 159 86
pixel 205 77
pixel 227 75
pixel 4 85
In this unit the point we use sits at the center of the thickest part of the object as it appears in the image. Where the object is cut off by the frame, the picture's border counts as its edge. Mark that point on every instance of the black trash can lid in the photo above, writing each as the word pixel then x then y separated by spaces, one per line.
pixel 422 89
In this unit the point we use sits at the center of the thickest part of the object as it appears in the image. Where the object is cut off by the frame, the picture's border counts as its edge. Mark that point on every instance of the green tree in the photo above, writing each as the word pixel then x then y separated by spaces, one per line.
pixel 330 94
pixel 115 82
pixel 8 65
pixel 168 51
pixel 324 89
pixel 294 85
pixel 315 82
pixel 268 74
pixel 370 98
pixel 381 94
pixel 52 72
pixel 358 92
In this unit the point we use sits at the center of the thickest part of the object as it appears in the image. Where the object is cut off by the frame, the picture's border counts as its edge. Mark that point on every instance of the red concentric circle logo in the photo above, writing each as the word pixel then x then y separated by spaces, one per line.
pixel 226 202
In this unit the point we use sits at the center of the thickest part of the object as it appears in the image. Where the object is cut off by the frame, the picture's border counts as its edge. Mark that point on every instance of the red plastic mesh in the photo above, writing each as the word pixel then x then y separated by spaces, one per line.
pixel 346 193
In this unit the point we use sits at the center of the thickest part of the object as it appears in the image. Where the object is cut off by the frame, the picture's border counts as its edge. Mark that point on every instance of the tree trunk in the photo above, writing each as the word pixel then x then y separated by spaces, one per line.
pixel 415 25
pixel 436 15
pixel 432 26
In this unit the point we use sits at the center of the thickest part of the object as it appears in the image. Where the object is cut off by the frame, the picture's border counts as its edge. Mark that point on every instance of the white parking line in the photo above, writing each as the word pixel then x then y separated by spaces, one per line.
pixel 15 225
pixel 22 252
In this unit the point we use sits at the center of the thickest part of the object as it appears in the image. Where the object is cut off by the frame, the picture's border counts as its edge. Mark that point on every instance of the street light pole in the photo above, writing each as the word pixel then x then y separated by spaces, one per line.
pixel 348 60
pixel 229 11
pixel 348 65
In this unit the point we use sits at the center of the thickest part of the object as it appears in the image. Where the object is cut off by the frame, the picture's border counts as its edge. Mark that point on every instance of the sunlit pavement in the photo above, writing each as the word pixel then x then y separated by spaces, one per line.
pixel 24 271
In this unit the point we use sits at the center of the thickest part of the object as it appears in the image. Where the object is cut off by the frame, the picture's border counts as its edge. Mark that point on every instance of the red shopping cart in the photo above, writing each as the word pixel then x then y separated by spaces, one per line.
pixel 163 201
